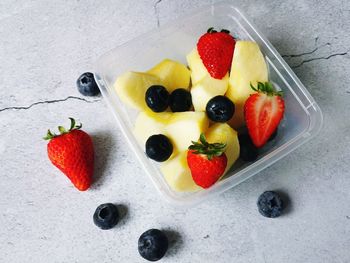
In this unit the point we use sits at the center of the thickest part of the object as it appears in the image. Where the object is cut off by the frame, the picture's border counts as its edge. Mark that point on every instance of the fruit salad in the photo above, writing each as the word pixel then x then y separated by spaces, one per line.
pixel 189 115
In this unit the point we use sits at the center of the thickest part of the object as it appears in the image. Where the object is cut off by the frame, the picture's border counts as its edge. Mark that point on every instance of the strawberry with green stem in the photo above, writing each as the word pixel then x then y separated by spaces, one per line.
pixel 72 152
pixel 207 161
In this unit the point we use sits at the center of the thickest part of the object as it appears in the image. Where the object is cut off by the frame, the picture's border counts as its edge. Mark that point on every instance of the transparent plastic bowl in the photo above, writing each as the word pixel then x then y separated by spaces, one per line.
pixel 302 119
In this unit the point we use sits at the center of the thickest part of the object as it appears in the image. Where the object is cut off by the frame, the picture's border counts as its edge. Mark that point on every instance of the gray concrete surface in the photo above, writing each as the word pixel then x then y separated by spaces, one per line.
pixel 45 45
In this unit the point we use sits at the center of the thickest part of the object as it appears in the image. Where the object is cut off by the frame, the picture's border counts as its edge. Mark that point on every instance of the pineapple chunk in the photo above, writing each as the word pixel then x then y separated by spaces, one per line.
pixel 185 127
pixel 131 88
pixel 206 89
pixel 248 66
pixel 149 123
pixel 173 74
pixel 223 133
pixel 178 175
pixel 198 70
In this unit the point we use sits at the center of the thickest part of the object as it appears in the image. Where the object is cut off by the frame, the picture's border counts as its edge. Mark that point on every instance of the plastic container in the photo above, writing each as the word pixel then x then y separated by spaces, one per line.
pixel 302 120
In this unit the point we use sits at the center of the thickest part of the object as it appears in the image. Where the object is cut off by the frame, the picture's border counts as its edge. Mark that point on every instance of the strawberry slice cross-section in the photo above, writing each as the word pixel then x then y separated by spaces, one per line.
pixel 263 111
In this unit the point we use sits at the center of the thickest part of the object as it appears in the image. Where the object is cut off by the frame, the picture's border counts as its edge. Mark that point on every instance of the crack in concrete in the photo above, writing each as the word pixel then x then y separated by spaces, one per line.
pixel 301 54
pixel 156 11
pixel 306 53
pixel 319 58
pixel 47 102
pixel 311 52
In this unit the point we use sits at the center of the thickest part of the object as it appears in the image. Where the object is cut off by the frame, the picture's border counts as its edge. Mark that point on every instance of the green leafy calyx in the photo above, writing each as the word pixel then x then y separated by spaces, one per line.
pixel 266 88
pixel 209 149
pixel 63 130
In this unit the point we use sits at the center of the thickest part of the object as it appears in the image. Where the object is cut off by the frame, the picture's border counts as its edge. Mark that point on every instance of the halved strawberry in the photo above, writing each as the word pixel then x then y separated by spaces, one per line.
pixel 263 112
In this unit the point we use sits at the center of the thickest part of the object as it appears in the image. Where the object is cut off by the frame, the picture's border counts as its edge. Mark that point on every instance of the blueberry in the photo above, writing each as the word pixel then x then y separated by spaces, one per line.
pixel 159 147
pixel 180 100
pixel 248 152
pixel 153 245
pixel 270 204
pixel 106 216
pixel 220 109
pixel 87 85
pixel 157 98
pixel 273 135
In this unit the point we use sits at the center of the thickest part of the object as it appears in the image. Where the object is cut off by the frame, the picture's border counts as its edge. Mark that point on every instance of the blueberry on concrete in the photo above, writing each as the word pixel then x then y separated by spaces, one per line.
pixel 87 85
pixel 106 216
pixel 270 204
pixel 153 244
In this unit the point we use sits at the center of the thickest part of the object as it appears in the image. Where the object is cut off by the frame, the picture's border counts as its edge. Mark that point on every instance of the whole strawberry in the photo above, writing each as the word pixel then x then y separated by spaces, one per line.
pixel 207 161
pixel 216 51
pixel 72 152
pixel 263 112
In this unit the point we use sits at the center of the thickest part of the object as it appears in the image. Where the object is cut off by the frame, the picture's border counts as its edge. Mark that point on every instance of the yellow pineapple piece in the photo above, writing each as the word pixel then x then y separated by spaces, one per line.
pixel 149 123
pixel 185 127
pixel 198 70
pixel 131 88
pixel 248 67
pixel 223 133
pixel 173 74
pixel 178 175
pixel 206 89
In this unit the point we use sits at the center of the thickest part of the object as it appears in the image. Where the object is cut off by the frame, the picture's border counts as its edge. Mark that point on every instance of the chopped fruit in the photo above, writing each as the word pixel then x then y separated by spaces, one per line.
pixel 248 152
pixel 132 86
pixel 207 161
pixel 223 133
pixel 198 70
pixel 263 111
pixel 173 74
pixel 153 244
pixel 180 100
pixel 157 98
pixel 87 85
pixel 148 123
pixel 106 216
pixel 217 89
pixel 216 50
pixel 206 89
pixel 72 152
pixel 185 127
pixel 220 109
pixel 248 67
pixel 178 175
pixel 270 204
pixel 159 148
